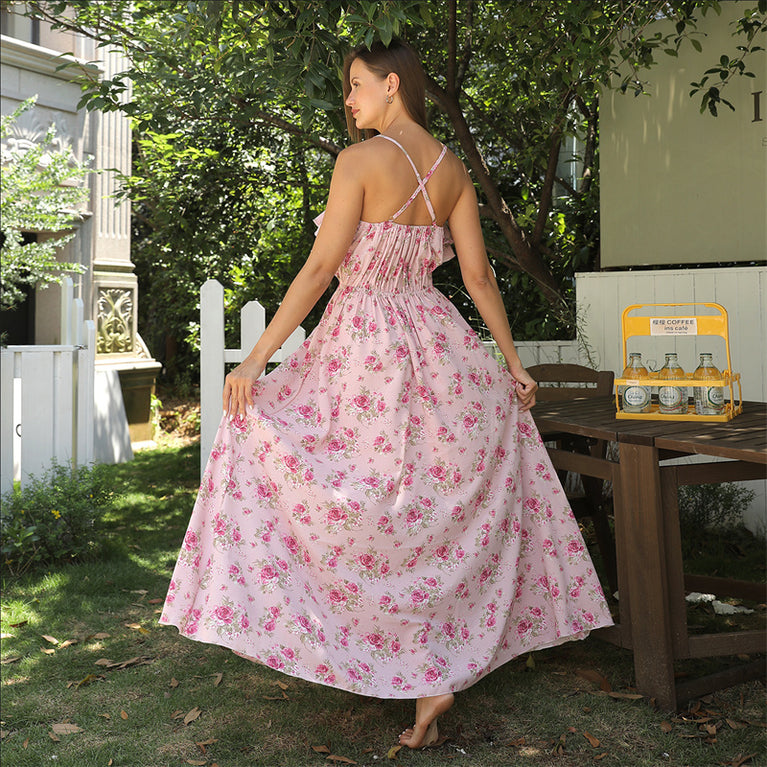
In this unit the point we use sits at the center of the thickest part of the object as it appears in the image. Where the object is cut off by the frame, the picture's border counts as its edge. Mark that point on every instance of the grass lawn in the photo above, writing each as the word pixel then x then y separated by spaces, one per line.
pixel 90 679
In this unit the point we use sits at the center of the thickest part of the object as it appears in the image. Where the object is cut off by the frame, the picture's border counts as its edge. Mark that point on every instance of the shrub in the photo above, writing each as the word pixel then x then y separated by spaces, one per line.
pixel 706 507
pixel 55 518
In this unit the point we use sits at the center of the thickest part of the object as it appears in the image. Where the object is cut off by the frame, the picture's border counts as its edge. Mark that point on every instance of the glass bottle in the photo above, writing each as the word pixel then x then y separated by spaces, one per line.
pixel 709 400
pixel 671 399
pixel 635 398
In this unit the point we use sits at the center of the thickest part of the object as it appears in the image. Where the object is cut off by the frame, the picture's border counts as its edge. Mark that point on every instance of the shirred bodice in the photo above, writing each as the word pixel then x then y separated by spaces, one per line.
pixel 391 257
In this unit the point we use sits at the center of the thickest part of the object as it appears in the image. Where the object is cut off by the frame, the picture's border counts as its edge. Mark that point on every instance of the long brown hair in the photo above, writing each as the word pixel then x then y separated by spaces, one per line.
pixel 397 57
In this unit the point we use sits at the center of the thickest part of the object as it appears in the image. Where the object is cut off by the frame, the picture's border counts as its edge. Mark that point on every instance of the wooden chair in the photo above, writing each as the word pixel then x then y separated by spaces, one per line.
pixel 575 382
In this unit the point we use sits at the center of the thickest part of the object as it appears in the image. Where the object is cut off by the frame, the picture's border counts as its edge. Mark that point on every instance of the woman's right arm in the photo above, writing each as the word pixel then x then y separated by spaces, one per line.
pixel 340 221
pixel 479 279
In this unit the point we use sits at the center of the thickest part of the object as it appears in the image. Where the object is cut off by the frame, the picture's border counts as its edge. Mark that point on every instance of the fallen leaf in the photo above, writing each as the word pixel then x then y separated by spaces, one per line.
pixel 595 676
pixel 174 682
pixel 12 659
pixel 67 643
pixel 87 680
pixel 66 728
pixel 591 739
pixel 196 762
pixel 666 726
pixel 53 736
pixel 106 716
pixel 192 715
pixel 530 662
pixel 100 635
pixel 201 744
pixel 276 697
pixel 625 695
pixel 48 650
pixel 25 744
pixel 342 759
pixel 7 636
pixel 123 714
pixel 217 679
pixel 321 749
pixel 392 752
pixel 158 601
pixel 734 725
pixel 282 685
pixel 597 757
pixel 738 760
pixel 50 639
pixel 142 660
pixel 18 625
pixel 518 742
pixel 138 627
pixel 710 729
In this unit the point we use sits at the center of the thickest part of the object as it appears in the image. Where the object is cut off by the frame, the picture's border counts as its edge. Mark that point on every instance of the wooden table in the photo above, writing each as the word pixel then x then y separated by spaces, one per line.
pixel 651 581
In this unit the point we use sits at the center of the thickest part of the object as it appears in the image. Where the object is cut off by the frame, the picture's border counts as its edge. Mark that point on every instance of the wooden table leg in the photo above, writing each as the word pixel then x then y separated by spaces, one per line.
pixel 644 544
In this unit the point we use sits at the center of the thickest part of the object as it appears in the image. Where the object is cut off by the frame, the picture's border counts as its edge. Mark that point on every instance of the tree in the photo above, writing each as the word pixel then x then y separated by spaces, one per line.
pixel 507 82
pixel 42 189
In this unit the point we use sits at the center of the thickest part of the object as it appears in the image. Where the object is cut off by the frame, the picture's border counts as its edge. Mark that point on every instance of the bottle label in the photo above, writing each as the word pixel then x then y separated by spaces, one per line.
pixel 636 398
pixel 709 400
pixel 672 399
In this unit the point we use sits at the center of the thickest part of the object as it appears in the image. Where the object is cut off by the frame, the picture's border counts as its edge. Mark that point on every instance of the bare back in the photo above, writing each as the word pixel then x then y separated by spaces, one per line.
pixel 390 179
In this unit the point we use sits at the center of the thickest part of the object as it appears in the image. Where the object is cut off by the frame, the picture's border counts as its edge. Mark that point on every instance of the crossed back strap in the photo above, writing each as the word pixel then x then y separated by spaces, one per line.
pixel 421 188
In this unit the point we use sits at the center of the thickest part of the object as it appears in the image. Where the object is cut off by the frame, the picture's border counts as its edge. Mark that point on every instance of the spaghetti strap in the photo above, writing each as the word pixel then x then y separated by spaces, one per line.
pixel 421 181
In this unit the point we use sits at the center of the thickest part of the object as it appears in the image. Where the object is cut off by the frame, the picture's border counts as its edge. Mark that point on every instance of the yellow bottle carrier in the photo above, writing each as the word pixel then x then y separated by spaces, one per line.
pixel 665 325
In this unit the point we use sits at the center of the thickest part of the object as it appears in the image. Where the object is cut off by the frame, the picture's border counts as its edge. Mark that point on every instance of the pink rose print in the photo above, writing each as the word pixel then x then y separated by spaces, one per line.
pixel 224 614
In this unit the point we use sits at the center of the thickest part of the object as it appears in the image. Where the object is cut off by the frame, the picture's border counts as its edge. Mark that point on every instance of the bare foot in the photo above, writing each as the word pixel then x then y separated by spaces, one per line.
pixel 424 732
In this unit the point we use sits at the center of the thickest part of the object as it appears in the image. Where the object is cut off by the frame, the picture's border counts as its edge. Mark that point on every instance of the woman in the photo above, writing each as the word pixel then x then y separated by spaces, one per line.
pixel 378 513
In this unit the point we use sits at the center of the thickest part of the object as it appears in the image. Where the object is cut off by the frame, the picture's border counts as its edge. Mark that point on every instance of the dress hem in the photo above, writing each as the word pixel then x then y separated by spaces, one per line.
pixel 409 694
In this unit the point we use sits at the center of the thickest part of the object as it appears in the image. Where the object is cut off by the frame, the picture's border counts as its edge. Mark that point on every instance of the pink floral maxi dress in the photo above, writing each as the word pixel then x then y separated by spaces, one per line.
pixel 385 519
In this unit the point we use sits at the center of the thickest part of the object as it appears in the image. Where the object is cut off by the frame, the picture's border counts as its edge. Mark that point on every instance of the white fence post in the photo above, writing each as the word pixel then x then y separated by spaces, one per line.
pixel 214 355
pixel 86 379
pixel 211 364
pixel 6 420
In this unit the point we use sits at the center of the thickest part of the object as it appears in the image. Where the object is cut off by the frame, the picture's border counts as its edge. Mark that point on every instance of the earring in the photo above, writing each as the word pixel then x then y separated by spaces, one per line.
pixel 390 99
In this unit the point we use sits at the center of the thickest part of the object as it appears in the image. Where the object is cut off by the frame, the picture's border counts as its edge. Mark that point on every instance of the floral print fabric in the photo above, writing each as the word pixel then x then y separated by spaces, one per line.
pixel 384 520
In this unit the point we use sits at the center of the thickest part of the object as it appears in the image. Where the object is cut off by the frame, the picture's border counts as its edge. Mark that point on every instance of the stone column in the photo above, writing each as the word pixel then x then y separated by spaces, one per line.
pixel 114 287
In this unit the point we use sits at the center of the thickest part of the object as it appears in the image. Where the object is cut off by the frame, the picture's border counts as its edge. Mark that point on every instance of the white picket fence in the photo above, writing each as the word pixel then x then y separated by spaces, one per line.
pixel 46 398
pixel 214 355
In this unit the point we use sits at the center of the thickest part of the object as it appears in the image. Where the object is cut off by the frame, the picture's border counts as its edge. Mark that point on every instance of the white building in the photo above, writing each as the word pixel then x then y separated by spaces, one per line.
pixel 31 57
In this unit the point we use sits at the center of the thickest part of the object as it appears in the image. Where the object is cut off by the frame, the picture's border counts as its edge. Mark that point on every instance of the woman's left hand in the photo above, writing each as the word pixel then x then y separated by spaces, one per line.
pixel 526 387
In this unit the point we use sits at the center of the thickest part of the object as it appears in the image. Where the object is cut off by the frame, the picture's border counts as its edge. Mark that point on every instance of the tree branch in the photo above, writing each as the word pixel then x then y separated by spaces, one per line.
pixel 463 67
pixel 544 206
pixel 589 149
pixel 529 260
pixel 279 122
pixel 451 48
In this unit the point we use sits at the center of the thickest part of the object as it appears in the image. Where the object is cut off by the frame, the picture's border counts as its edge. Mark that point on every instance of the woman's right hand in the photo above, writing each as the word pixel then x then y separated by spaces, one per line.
pixel 238 387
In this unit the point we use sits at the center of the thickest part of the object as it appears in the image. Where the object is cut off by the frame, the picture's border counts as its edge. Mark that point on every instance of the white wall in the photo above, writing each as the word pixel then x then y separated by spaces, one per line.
pixel 602 297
